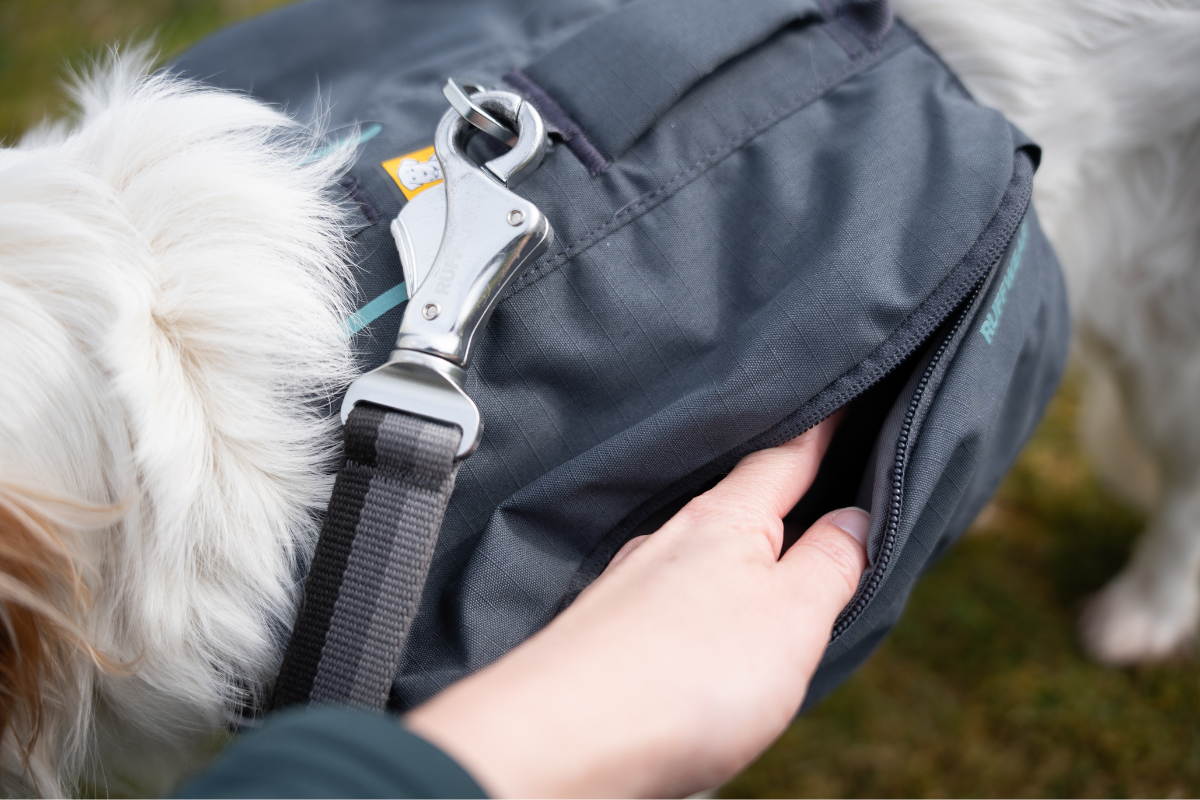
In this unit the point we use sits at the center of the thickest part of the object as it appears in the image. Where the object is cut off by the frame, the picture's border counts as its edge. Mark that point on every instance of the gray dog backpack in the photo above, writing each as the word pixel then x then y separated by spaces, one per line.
pixel 643 240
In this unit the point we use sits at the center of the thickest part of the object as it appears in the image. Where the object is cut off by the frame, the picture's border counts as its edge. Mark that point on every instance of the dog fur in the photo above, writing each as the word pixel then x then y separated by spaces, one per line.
pixel 173 290
pixel 1111 90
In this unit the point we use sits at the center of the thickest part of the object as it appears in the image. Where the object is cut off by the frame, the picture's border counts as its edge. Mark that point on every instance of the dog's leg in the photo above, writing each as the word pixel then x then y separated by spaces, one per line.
pixel 1137 319
pixel 1120 459
pixel 1137 423
pixel 1151 609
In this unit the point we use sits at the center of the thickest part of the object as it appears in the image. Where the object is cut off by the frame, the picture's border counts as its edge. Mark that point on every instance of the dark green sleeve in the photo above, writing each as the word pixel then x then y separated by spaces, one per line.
pixel 332 752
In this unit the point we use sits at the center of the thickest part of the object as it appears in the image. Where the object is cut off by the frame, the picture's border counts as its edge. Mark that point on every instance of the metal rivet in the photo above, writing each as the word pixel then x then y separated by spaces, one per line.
pixel 516 216
pixel 430 311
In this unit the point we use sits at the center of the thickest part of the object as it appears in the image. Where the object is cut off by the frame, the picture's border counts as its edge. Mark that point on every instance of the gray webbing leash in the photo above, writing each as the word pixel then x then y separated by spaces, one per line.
pixel 409 423
pixel 376 545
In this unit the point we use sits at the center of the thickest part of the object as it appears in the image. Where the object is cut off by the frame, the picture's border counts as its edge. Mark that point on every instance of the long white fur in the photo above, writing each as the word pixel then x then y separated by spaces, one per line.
pixel 173 288
pixel 1111 90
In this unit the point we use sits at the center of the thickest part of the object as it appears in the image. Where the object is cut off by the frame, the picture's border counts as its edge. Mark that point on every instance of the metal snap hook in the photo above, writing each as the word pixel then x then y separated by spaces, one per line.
pixel 489 236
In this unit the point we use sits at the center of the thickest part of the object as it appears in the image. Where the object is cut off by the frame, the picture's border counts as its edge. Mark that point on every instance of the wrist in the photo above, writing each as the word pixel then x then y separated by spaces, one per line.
pixel 547 738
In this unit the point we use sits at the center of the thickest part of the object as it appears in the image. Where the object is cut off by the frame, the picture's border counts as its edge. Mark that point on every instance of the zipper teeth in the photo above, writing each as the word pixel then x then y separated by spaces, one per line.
pixel 894 508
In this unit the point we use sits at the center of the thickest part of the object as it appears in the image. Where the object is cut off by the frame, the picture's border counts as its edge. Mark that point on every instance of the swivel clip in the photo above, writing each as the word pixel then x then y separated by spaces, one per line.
pixel 490 235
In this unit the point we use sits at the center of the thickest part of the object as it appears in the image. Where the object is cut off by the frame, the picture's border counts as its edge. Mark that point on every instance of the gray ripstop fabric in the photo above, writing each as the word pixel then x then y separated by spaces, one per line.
pixel 789 235
pixel 376 545
pixel 616 78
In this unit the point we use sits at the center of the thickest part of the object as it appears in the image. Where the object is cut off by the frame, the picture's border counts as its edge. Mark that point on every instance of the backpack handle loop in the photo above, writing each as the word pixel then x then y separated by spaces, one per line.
pixel 614 79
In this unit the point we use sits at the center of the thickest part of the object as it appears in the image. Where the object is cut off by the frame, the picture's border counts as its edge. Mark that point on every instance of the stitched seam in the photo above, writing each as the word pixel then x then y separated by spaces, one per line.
pixel 646 202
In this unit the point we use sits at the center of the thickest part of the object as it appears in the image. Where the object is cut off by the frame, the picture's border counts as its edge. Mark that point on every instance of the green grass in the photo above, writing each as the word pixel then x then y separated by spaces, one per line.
pixel 982 690
pixel 41 39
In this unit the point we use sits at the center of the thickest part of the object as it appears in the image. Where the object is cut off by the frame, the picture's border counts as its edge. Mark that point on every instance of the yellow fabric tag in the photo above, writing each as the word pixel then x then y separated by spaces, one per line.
pixel 414 172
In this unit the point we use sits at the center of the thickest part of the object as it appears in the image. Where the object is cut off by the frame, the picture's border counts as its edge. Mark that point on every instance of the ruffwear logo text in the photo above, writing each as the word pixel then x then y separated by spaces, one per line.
pixel 992 323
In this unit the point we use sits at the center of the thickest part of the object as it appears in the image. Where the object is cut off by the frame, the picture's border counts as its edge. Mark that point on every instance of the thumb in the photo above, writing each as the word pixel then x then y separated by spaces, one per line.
pixel 824 566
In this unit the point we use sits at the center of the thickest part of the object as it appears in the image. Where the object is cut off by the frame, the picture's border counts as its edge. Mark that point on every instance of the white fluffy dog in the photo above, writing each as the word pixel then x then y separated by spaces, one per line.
pixel 173 288
pixel 1111 90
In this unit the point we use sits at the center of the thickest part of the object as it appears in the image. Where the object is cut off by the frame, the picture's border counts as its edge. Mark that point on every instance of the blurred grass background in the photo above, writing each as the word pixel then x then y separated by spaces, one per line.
pixel 41 39
pixel 982 690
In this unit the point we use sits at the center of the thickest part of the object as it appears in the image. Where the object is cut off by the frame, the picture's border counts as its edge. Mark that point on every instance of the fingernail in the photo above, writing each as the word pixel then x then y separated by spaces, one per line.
pixel 855 522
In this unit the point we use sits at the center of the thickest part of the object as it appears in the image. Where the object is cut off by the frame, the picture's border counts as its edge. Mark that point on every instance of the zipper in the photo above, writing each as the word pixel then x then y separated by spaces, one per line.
pixel 591 567
pixel 902 445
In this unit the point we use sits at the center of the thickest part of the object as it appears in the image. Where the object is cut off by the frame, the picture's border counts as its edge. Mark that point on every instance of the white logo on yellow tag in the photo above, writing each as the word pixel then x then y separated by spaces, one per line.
pixel 415 172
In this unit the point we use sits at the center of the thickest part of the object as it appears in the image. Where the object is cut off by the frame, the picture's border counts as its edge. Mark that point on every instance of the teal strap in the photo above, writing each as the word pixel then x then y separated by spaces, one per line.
pixel 376 309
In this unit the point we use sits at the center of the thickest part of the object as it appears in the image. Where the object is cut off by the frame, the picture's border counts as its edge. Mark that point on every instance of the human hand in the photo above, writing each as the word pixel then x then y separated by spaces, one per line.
pixel 684 660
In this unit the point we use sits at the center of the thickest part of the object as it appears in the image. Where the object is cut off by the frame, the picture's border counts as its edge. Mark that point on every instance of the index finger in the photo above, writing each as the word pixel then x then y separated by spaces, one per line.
pixel 775 479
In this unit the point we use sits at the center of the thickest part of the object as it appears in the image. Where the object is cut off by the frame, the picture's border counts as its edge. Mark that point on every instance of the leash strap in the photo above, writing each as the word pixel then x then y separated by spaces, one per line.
pixel 370 564
pixel 408 424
